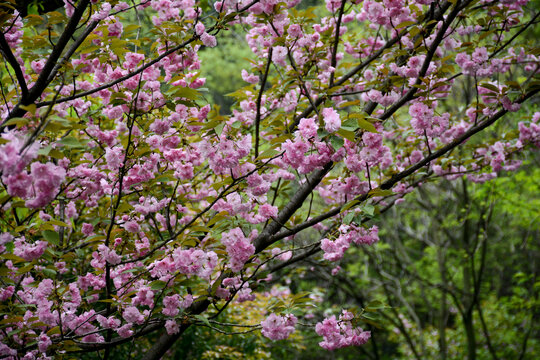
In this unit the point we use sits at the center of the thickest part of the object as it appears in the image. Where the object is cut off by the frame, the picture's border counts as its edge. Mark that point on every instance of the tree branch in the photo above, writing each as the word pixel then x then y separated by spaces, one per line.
pixel 259 100
pixel 10 58
pixel 43 80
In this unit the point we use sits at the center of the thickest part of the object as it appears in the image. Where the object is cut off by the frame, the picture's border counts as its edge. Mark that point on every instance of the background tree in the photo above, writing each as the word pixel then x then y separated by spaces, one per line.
pixel 457 273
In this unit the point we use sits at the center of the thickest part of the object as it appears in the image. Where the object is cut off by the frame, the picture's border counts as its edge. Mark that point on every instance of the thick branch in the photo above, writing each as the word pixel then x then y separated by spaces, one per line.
pixel 342 80
pixel 43 80
pixel 8 55
pixel 425 66
pixel 333 62
pixel 69 53
pixel 259 101
pixel 263 240
pixel 388 184
pixel 17 112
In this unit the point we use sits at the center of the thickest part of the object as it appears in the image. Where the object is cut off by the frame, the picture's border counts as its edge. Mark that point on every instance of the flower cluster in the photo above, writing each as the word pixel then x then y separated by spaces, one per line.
pixel 277 327
pixel 334 250
pixel 340 333
pixel 239 248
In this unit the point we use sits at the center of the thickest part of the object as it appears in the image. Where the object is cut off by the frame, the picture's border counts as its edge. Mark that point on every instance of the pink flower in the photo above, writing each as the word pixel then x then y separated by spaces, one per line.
pixel 108 323
pixel 87 229
pixel 132 60
pixel 125 331
pixel 480 55
pixel 37 65
pixel 44 342
pixel 199 28
pixel 336 270
pixel 268 211
pixel 249 78
pixel 69 8
pixel 131 226
pixel 277 327
pixel 171 305
pixel 29 251
pixel 19 185
pixel 239 248
pixel 47 179
pixel 332 121
pixel 195 261
pixel 109 255
pixel 295 30
pixel 115 29
pixel 114 157
pixel 133 315
pixel 279 54
pixel 338 334
pixel 172 327
pixel 208 40
pixel 7 292
pixel 509 105
pixel 308 128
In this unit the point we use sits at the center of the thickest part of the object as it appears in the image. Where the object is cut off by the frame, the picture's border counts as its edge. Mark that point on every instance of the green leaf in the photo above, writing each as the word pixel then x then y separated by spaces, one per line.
pixel 202 319
pixel 349 205
pixel 57 223
pixel 51 236
pixel 380 192
pixel 268 153
pixel 490 87
pixel 187 93
pixel 19 122
pixel 157 285
pixel 368 209
pixel 219 128
pixel 349 135
pixel 405 24
pixel 71 142
pixel 21 228
pixel 337 142
pixel 45 151
pixel 30 108
pixel 366 125
pixel 348 218
pixel 25 269
pixel 350 124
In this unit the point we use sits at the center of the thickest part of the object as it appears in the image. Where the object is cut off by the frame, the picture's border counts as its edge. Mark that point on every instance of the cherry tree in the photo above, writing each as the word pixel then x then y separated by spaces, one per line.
pixel 130 206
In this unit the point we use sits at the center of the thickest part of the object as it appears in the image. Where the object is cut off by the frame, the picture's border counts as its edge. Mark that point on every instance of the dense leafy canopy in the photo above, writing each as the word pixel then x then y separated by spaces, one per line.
pixel 133 207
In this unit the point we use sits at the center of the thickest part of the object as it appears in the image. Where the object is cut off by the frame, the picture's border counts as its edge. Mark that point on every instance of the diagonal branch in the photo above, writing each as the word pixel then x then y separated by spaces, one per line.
pixel 388 184
pixel 342 80
pixel 10 58
pixel 72 50
pixel 262 241
pixel 333 61
pixel 36 91
pixel 259 101
pixel 43 80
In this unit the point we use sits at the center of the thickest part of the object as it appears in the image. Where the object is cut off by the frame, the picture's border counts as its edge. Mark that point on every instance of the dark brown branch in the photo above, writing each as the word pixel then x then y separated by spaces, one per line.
pixel 43 80
pixel 36 91
pixel 69 53
pixel 333 61
pixel 10 58
pixel 509 41
pixel 388 184
pixel 315 249
pixel 425 66
pixel 342 80
pixel 264 239
pixel 259 101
